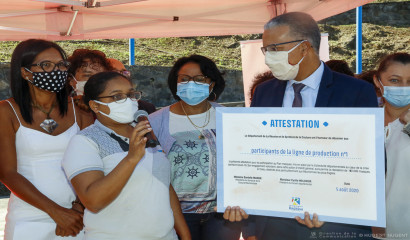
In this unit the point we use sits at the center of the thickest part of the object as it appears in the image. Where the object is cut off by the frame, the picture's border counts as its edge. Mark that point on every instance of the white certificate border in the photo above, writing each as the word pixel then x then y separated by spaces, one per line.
pixel 380 159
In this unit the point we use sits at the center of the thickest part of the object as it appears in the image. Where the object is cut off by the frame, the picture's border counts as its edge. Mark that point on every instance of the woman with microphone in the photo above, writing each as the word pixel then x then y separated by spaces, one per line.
pixel 124 187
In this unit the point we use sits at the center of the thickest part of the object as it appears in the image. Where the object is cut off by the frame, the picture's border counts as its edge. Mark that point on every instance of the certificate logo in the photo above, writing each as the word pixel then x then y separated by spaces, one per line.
pixel 295 206
pixel 295 201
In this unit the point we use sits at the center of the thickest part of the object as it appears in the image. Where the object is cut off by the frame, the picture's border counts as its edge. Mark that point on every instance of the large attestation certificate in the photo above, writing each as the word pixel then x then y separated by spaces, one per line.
pixel 285 161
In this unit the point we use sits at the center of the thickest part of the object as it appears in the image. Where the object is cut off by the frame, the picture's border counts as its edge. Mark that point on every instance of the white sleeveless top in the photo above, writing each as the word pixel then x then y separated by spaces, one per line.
pixel 39 157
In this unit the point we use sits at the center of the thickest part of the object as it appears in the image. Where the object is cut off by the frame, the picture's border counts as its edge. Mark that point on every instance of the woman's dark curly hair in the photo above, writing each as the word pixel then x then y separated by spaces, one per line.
pixel 340 66
pixel 260 78
pixel 208 68
pixel 78 56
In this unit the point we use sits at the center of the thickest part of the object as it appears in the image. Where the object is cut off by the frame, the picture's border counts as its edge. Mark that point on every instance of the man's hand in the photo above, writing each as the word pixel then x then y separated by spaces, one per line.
pixel 235 214
pixel 310 223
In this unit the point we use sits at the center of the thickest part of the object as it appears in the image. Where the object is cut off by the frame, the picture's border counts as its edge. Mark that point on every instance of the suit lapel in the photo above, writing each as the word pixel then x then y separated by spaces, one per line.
pixel 325 88
pixel 278 93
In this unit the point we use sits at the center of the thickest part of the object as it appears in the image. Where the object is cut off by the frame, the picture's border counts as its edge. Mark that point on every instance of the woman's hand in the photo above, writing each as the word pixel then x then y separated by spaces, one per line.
pixel 235 214
pixel 138 141
pixel 310 223
pixel 62 233
pixel 69 222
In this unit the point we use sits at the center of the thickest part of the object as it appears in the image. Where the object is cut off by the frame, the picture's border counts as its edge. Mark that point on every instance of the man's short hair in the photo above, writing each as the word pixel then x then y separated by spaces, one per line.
pixel 301 25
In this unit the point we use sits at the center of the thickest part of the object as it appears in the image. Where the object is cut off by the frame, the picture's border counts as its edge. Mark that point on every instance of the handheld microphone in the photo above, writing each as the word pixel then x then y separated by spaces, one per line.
pixel 152 140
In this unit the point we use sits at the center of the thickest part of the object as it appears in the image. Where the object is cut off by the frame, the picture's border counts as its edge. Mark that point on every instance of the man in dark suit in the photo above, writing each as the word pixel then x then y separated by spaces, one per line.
pixel 291 47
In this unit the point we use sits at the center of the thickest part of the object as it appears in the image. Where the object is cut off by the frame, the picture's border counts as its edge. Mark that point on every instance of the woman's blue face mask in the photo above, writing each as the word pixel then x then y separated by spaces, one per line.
pixel 396 96
pixel 193 93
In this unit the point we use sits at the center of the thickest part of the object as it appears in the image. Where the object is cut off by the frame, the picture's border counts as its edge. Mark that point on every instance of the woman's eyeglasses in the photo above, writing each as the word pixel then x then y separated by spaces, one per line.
pixel 198 79
pixel 122 97
pixel 93 65
pixel 48 66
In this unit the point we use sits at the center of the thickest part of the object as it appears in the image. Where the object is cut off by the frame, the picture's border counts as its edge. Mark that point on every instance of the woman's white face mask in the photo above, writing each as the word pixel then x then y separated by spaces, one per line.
pixel 121 112
pixel 278 63
pixel 79 87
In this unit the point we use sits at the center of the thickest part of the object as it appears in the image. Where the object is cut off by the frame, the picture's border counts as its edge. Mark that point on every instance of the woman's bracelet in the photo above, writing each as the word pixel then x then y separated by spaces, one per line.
pixel 76 202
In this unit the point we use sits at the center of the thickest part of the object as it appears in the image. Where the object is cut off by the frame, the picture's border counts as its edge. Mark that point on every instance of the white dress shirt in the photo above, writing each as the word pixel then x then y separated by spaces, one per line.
pixel 309 92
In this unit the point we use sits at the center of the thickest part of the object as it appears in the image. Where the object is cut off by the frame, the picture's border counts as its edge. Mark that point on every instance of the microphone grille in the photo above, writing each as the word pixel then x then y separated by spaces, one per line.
pixel 140 113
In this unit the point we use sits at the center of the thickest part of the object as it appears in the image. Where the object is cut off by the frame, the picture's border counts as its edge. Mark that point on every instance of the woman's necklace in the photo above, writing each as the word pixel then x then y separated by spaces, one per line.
pixel 206 121
pixel 49 125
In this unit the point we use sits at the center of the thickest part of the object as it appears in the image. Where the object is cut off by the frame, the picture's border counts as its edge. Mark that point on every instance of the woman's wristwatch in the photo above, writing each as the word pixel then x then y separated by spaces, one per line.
pixel 406 129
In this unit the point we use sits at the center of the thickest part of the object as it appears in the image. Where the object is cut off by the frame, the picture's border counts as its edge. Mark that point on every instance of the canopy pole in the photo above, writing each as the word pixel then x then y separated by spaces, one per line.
pixel 358 40
pixel 72 23
pixel 132 51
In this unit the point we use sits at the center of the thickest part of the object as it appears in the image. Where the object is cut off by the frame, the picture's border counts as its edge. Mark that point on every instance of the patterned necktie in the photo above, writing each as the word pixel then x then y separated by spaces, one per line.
pixel 297 102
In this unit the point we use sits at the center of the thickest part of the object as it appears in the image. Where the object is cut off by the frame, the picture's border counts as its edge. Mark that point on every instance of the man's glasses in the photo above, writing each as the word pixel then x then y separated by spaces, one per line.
pixel 48 66
pixel 273 47
pixel 122 97
pixel 198 79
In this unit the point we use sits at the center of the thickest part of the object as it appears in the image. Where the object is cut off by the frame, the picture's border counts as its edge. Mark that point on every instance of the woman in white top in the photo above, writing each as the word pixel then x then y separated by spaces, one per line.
pixel 393 79
pixel 36 125
pixel 124 186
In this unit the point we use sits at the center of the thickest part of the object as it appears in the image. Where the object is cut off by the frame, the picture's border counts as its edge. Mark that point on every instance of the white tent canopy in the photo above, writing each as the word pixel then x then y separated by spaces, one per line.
pixel 101 19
